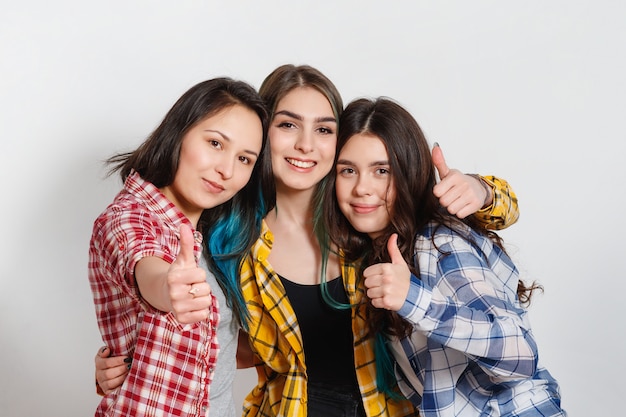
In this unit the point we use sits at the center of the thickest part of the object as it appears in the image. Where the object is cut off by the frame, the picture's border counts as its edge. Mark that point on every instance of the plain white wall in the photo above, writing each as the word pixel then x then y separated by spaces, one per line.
pixel 531 91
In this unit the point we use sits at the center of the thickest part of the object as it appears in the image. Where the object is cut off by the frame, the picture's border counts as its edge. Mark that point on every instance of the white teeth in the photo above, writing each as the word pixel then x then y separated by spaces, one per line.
pixel 300 164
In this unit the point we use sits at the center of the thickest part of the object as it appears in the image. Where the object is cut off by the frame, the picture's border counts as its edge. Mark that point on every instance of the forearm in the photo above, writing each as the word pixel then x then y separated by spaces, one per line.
pixel 498 341
pixel 151 279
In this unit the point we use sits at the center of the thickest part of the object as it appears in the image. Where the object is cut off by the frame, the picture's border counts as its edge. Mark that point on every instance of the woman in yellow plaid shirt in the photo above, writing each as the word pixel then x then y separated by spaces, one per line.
pixel 314 359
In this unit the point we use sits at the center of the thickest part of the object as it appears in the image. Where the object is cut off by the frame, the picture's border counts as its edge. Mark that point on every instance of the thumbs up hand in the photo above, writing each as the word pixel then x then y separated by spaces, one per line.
pixel 388 283
pixel 189 293
pixel 461 194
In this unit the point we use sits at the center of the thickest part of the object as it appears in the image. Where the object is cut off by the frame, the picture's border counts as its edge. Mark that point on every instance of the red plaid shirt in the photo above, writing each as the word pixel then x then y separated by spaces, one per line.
pixel 173 364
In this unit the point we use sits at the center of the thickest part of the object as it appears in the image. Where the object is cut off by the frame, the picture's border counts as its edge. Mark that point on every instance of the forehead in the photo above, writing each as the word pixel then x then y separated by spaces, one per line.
pixel 364 146
pixel 305 99
pixel 237 124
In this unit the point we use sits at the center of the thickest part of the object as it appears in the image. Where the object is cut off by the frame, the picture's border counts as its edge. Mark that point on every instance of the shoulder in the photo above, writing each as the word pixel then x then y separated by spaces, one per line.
pixel 126 213
pixel 446 236
pixel 440 241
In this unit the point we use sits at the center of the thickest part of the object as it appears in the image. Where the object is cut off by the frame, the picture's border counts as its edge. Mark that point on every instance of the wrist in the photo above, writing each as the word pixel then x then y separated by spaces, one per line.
pixel 488 191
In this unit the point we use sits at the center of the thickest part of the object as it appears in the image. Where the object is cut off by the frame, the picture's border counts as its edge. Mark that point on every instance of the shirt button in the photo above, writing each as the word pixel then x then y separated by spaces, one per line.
pixel 303 400
pixel 261 257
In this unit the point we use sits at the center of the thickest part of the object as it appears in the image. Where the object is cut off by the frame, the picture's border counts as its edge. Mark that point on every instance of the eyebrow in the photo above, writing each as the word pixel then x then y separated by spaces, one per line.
pixel 227 139
pixel 372 164
pixel 287 113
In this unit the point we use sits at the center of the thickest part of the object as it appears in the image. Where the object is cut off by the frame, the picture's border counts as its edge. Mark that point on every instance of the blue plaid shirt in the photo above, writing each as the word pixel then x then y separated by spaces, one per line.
pixel 472 352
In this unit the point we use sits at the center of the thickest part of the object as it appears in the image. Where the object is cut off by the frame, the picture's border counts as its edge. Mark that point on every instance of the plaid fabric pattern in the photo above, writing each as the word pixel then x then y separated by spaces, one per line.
pixel 275 336
pixel 472 352
pixel 172 364
pixel 504 210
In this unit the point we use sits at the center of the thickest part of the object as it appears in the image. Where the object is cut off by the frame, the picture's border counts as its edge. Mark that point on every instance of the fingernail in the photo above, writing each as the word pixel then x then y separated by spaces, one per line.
pixel 128 360
pixel 436 144
pixel 103 349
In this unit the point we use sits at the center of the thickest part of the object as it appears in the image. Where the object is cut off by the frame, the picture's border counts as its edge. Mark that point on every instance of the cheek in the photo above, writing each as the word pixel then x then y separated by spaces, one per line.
pixel 243 176
pixel 192 157
pixel 390 198
pixel 277 139
pixel 329 149
pixel 390 194
pixel 276 147
pixel 341 191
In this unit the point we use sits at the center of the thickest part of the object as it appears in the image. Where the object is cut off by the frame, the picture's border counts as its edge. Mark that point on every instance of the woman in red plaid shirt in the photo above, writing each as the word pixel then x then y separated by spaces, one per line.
pixel 189 181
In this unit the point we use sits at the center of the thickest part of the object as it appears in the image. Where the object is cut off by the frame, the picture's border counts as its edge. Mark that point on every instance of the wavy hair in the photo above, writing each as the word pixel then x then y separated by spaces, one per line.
pixel 414 206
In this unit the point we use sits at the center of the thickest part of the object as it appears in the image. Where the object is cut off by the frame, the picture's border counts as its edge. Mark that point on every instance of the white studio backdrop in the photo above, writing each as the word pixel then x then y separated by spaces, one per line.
pixel 533 92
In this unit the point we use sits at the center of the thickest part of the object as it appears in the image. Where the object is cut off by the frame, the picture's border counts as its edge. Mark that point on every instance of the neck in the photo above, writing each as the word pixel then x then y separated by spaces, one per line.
pixel 294 207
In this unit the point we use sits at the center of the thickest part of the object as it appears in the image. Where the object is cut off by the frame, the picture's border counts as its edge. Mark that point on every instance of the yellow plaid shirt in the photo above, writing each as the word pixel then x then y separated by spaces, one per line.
pixel 504 210
pixel 275 335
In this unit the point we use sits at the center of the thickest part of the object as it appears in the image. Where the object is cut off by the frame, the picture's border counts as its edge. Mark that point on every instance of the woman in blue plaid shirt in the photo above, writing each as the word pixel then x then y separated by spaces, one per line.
pixel 446 300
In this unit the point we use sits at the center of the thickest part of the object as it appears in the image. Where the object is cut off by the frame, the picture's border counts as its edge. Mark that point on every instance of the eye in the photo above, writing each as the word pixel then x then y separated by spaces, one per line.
pixel 345 171
pixel 245 160
pixel 286 125
pixel 382 171
pixel 325 131
pixel 215 143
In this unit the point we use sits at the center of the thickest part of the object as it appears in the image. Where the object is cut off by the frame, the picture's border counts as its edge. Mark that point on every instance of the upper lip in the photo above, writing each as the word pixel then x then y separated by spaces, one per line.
pixel 215 184
pixel 364 205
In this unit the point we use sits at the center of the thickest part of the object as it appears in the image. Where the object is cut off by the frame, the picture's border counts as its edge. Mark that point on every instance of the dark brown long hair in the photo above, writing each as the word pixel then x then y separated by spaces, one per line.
pixel 231 228
pixel 414 206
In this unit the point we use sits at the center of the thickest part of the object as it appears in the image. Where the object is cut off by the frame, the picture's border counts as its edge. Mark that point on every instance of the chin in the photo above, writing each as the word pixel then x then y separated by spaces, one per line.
pixel 364 230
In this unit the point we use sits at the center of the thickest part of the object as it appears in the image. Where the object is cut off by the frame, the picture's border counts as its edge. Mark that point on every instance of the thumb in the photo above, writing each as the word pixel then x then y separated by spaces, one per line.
pixel 185 256
pixel 440 162
pixel 394 251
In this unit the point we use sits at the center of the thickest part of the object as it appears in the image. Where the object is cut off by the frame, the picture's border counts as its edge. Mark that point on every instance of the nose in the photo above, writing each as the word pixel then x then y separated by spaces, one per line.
pixel 225 167
pixel 305 142
pixel 362 186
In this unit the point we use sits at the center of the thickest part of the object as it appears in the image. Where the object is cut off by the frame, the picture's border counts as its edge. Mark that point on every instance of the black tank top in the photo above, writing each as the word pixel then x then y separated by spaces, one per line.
pixel 326 333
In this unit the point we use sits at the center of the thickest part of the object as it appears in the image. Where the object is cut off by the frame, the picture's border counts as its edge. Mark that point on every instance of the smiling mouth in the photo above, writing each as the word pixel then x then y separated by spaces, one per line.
pixel 363 209
pixel 214 187
pixel 301 164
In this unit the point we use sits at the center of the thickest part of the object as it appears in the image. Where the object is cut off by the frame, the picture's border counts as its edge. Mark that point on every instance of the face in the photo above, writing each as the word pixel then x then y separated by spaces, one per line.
pixel 216 160
pixel 303 137
pixel 364 186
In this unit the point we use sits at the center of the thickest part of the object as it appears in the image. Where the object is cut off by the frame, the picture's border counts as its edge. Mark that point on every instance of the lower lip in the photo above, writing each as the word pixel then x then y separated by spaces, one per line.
pixel 364 210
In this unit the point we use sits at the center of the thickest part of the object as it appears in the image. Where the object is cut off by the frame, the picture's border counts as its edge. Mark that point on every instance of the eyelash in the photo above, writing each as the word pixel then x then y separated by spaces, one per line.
pixel 215 143
pixel 379 171
pixel 322 130
pixel 218 145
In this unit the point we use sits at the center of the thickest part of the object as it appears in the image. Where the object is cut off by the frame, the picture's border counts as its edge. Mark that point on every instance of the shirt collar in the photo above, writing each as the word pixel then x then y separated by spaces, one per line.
pixel 156 201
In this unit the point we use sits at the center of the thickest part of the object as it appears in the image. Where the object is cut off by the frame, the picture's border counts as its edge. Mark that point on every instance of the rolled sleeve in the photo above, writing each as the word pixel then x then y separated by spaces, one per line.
pixel 417 301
